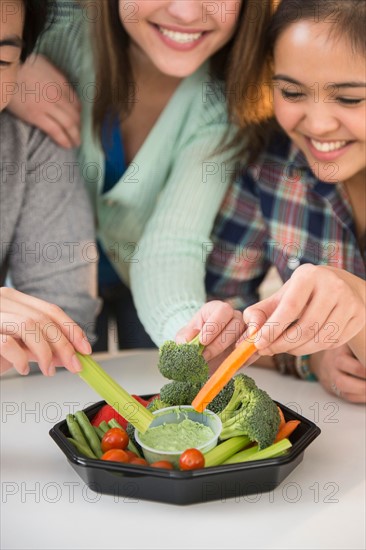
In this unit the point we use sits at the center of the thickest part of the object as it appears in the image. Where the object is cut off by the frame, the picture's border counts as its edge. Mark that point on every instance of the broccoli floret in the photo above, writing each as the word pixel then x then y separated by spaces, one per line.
pixel 222 399
pixel 157 404
pixel 250 412
pixel 183 362
pixel 179 393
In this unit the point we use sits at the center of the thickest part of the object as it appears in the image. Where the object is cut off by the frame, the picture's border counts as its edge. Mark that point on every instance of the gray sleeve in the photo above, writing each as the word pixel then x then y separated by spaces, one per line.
pixel 53 253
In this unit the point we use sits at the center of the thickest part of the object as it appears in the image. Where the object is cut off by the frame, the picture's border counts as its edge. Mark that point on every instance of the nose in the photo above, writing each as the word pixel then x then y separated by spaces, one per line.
pixel 319 120
pixel 187 12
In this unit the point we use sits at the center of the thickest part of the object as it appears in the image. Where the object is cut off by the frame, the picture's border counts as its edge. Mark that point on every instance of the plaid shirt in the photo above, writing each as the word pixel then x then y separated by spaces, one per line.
pixel 278 213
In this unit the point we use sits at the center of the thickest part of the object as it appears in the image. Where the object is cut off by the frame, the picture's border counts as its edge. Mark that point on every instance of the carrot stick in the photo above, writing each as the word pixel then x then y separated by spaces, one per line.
pixel 282 418
pixel 286 430
pixel 223 374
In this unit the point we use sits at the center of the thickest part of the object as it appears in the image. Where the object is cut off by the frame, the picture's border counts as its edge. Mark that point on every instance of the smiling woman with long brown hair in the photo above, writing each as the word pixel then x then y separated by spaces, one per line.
pixel 152 84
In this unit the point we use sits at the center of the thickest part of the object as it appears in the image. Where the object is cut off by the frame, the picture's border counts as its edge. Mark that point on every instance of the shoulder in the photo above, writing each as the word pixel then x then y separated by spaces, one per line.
pixel 14 138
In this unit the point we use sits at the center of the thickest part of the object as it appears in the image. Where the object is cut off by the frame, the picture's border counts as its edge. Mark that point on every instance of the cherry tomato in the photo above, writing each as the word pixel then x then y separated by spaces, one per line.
pixel 115 455
pixel 115 438
pixel 162 464
pixel 140 461
pixel 191 459
pixel 131 454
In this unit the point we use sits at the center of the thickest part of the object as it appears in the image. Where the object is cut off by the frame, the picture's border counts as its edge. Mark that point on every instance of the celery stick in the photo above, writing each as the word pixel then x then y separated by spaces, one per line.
pixel 223 451
pixel 126 405
pixel 104 426
pixel 253 453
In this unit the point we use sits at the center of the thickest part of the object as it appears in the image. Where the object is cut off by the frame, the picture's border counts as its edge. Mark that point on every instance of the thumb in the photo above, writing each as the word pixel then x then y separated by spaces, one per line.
pixel 255 316
pixel 186 334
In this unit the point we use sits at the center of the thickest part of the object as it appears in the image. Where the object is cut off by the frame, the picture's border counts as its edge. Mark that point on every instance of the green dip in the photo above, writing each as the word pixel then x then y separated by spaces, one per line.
pixel 177 437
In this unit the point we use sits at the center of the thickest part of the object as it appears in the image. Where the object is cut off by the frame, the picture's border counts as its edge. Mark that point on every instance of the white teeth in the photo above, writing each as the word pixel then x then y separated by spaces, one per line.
pixel 180 37
pixel 326 147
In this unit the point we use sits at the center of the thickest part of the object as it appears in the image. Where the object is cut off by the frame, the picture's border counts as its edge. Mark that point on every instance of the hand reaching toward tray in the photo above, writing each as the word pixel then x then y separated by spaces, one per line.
pixel 34 330
pixel 318 308
pixel 219 326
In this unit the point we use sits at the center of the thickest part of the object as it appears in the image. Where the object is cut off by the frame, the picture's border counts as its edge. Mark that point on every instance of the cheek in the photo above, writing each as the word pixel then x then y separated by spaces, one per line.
pixel 356 124
pixel 8 79
pixel 287 114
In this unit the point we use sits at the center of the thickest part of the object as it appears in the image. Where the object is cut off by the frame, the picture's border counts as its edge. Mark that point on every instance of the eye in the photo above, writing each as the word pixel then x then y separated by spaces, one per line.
pixel 350 100
pixel 4 63
pixel 291 96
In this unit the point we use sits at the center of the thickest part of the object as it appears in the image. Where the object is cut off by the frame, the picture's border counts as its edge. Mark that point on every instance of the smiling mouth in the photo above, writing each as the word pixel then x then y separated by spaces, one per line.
pixel 180 37
pixel 328 146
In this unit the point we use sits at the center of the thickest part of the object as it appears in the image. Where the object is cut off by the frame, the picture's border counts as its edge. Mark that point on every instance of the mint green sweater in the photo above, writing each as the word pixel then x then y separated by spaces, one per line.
pixel 155 224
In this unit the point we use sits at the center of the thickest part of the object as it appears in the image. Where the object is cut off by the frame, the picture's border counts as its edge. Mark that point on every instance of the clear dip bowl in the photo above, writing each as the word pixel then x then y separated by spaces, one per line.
pixel 175 415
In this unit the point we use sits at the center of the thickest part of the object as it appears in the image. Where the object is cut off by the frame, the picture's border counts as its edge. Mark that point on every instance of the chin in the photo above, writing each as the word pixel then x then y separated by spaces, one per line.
pixel 178 70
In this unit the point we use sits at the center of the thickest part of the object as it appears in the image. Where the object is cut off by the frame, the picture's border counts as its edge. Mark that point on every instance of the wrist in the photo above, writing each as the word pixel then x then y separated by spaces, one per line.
pixel 298 366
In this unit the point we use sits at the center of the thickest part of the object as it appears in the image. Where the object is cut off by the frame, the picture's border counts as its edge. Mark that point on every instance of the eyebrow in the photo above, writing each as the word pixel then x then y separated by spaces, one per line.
pixel 14 41
pixel 290 80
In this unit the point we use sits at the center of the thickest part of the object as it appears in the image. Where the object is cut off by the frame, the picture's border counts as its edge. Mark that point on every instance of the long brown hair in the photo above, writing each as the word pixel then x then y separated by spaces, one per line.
pixel 113 67
pixel 254 113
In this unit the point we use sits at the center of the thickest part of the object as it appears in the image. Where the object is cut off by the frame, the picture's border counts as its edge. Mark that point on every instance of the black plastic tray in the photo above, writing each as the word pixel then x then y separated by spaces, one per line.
pixel 176 487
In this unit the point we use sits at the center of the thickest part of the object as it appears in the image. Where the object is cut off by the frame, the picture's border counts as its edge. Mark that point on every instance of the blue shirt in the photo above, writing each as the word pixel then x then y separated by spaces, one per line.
pixel 115 166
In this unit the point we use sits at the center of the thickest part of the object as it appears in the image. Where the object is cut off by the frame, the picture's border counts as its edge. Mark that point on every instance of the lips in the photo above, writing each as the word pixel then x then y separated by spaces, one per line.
pixel 327 151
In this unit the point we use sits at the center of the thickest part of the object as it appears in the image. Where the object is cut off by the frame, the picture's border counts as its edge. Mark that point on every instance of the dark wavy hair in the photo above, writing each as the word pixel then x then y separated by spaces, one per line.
pixel 37 15
pixel 254 114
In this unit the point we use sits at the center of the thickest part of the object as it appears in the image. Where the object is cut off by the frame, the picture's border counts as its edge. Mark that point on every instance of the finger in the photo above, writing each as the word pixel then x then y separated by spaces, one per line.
pixel 69 328
pixel 29 332
pixel 4 364
pixel 55 130
pixel 42 336
pixel 225 339
pixel 70 119
pixel 256 315
pixel 12 354
pixel 307 335
pixel 355 397
pixel 216 322
pixel 349 384
pixel 187 333
pixel 349 388
pixel 353 367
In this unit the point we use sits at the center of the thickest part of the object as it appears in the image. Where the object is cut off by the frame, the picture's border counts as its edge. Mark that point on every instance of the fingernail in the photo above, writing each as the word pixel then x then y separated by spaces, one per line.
pixel 86 346
pixel 26 371
pixel 52 371
pixel 76 364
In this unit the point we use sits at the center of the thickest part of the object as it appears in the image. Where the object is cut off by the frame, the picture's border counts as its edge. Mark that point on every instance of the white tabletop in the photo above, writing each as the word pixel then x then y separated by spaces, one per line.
pixel 45 504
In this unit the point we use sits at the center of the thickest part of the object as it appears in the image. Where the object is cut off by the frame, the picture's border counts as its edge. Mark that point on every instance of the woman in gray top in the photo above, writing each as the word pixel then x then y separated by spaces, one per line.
pixel 46 226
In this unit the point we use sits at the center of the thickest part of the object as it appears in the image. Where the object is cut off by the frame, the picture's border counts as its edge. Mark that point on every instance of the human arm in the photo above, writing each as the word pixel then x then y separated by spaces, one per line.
pixel 168 280
pixel 45 98
pixel 45 93
pixel 51 255
pixel 235 269
pixel 326 307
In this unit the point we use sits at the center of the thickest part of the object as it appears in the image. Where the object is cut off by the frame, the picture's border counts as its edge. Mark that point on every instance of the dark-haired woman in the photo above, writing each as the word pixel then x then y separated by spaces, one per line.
pixel 301 202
